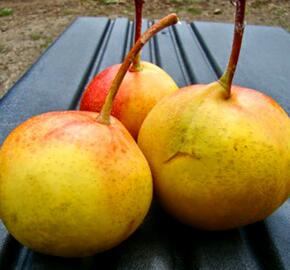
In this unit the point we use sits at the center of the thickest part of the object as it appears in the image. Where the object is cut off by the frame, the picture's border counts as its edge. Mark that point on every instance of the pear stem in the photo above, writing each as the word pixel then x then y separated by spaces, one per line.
pixel 227 79
pixel 104 116
pixel 138 30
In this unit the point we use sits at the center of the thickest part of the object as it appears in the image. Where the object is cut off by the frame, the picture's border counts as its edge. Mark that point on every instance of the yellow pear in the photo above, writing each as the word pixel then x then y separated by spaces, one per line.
pixel 219 154
pixel 70 186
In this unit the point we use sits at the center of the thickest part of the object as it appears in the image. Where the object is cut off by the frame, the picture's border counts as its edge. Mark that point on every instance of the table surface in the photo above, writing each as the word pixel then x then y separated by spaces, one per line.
pixel 190 53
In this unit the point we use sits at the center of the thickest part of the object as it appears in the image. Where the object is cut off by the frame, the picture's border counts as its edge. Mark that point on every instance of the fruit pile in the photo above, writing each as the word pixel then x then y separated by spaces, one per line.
pixel 76 183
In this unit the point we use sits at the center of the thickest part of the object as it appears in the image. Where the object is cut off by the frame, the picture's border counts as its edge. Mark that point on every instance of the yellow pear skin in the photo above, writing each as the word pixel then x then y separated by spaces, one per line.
pixel 70 186
pixel 218 163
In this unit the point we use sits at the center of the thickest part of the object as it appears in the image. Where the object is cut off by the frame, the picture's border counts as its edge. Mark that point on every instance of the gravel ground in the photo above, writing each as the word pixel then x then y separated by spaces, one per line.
pixel 27 27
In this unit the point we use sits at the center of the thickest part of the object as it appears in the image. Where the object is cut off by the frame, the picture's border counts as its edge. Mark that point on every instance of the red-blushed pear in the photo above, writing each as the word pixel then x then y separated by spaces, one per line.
pixel 219 153
pixel 143 86
pixel 75 183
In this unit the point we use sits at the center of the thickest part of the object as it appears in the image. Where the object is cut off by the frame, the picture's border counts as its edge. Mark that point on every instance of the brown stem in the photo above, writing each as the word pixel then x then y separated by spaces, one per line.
pixel 138 30
pixel 104 116
pixel 227 78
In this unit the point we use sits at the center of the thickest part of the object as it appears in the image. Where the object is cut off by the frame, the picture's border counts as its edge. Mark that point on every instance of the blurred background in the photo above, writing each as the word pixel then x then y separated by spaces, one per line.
pixel 28 27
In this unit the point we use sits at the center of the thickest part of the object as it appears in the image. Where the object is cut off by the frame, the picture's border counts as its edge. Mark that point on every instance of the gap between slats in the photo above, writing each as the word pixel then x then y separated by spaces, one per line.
pixel 218 71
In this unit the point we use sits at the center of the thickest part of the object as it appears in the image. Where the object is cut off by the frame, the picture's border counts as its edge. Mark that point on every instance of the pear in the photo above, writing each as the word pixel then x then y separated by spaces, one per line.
pixel 75 183
pixel 219 153
pixel 64 190
pixel 143 86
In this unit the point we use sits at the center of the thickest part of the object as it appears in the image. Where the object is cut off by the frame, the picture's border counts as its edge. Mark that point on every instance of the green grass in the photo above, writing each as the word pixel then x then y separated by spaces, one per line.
pixel 3 48
pixel 279 11
pixel 258 3
pixel 194 10
pixel 6 12
pixel 186 1
pixel 193 6
pixel 109 2
pixel 36 36
pixel 47 42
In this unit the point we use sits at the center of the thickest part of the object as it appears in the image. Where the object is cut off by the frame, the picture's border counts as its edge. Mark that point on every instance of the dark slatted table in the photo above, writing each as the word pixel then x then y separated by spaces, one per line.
pixel 190 53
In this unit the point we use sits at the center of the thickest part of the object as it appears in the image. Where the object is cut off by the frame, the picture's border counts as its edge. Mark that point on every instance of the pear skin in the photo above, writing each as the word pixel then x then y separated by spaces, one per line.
pixel 218 163
pixel 71 186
